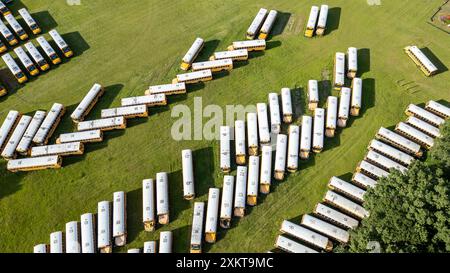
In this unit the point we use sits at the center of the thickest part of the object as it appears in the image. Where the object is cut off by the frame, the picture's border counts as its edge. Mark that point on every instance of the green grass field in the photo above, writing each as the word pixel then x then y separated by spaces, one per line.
pixel 129 45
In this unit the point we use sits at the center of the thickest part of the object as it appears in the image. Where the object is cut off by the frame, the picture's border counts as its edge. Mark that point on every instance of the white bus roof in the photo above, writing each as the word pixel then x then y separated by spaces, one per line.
pixel 384 162
pixel 293 146
pixel 364 180
pixel 162 193
pixel 424 126
pixel 7 126
pixel 41 248
pixel 372 169
pixel 239 135
pixel 212 211
pixel 323 16
pixel 344 105
pixel 424 114
pixel 286 101
pixel 34 52
pixel 352 59
pixel 165 242
pixel 269 22
pixel 231 54
pixel 307 123
pixel 11 63
pixel 211 64
pixel 56 149
pixel 347 188
pixel 167 88
pixel 252 129
pixel 240 193
pixel 72 238
pixel 32 162
pixel 422 58
pixel 148 200
pixel 23 57
pixel 305 235
pixel 291 246
pixel 194 75
pixel 104 225
pixel 249 44
pixel 32 129
pixel 325 228
pixel 257 22
pixel 266 165
pixel 87 233
pixel 436 107
pixel 149 247
pixel 27 17
pixel 312 20
pixel 253 176
pixel 5 30
pixel 357 93
pixel 225 147
pixel 336 216
pixel 332 110
pixel 80 136
pixel 398 139
pixel 275 118
pixel 13 23
pixel 346 204
pixel 319 127
pixel 188 172
pixel 10 148
pixel 339 77
pixel 197 223
pixel 158 99
pixel 193 50
pixel 100 123
pixel 58 39
pixel 119 214
pixel 56 242
pixel 51 118
pixel 391 152
pixel 263 123
pixel 48 49
pixel 227 197
pixel 85 104
pixel 124 111
pixel 414 133
pixel 280 154
pixel 313 91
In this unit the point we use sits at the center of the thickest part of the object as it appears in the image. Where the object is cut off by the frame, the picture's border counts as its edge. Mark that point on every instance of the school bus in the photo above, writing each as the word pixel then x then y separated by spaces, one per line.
pixel 14 68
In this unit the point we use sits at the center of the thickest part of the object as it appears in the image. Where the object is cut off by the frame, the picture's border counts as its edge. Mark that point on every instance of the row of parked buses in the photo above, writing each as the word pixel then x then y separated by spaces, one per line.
pixel 342 207
pixel 262 24
pixel 341 70
pixel 37 62
pixel 101 232
pixel 16 27
pixel 317 21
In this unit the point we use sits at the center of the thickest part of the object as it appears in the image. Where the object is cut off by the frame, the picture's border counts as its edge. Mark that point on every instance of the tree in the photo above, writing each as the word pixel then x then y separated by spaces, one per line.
pixel 441 149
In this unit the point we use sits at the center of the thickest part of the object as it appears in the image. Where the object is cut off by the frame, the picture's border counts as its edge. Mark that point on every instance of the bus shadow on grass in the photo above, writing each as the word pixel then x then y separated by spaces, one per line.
pixel 363 61
pixel 10 183
pixel 134 214
pixel 273 44
pixel 368 97
pixel 208 50
pixel 182 235
pixel 280 24
pixel 176 200
pixel 76 42
pixel 204 170
pixel 435 60
pixel 9 82
pixel 45 20
pixel 105 101
pixel 334 19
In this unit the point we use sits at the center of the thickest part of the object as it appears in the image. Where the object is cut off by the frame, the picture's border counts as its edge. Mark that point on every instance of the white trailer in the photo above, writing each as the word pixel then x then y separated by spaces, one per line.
pixel 56 242
pixel 148 205
pixel 306 235
pixel 162 198
pixel 313 94
pixel 120 219
pixel 280 157
pixel 356 103
pixel 72 238
pixel 104 237
pixel 306 137
pixel 256 24
pixel 188 174
pixel 263 123
pixel 345 204
pixel 293 148
pixel 252 133
pixel 319 128
pixel 165 242
pixel 225 149
pixel 253 180
pixel 88 233
pixel 332 113
pixel 87 103
pixel 344 107
pixel 212 213
pixel 266 170
pixel 240 144
pixel 9 150
pixel 275 118
pixel 226 207
pixel 286 102
pixel 197 227
pixel 240 193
